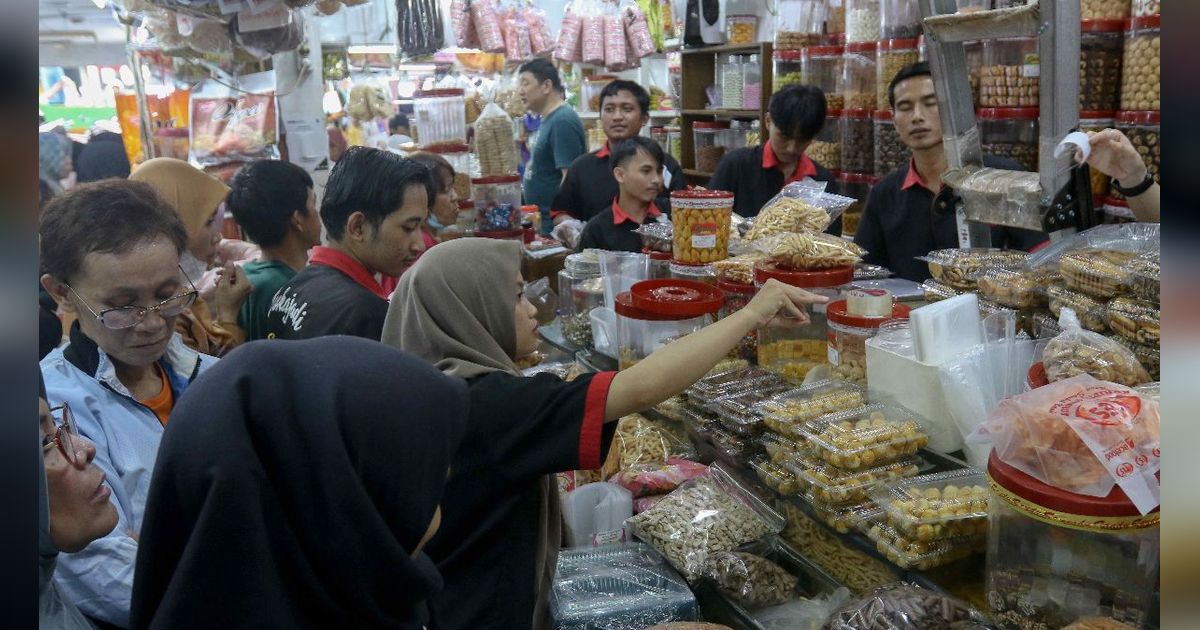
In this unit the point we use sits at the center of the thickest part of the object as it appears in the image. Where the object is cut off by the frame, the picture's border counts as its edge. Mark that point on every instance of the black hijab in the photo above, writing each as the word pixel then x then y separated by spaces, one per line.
pixel 102 157
pixel 293 480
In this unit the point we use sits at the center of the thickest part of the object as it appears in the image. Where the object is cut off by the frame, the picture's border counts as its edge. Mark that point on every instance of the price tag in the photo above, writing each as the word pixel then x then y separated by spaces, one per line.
pixel 964 233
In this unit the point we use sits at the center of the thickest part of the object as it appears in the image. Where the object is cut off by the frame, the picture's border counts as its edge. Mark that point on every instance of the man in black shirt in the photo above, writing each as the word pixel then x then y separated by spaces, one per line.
pixel 373 209
pixel 589 187
pixel 756 174
pixel 899 222
pixel 637 167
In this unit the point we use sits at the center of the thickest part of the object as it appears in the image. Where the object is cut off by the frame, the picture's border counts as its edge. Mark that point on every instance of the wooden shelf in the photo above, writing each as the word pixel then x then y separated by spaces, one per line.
pixel 698 69
pixel 732 113
pixel 725 48
pixel 691 172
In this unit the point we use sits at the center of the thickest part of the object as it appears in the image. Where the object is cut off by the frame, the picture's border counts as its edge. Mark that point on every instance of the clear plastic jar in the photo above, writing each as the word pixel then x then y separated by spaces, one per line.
pixel 172 142
pixel 890 151
pixel 974 53
pixel 835 18
pixel 1140 66
pixel 463 162
pixel 857 85
pixel 1097 121
pixel 738 135
pixel 466 216
pixel 1009 77
pixel 1105 9
pixel 1142 130
pixel 822 66
pixel 894 54
pixel 659 135
pixel 592 87
pixel 792 349
pixel 858 141
pixel 752 83
pixel 848 335
pixel 799 23
pixel 826 147
pixel 899 19
pixel 741 29
pixel 441 115
pixel 700 221
pixel 660 264
pixel 1095 557
pixel 732 81
pixel 675 142
pixel 1142 8
pixel 787 69
pixel 696 273
pixel 654 313
pixel 856 185
pixel 709 142
pixel 1010 132
pixel 737 296
pixel 862 21
pixel 580 290
pixel 1100 48
pixel 497 203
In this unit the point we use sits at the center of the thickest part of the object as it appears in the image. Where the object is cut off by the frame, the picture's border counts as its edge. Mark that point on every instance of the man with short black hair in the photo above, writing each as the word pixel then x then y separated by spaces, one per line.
pixel 399 133
pixel 899 222
pixel 274 203
pixel 637 166
pixel 374 206
pixel 590 187
pixel 756 174
pixel 559 138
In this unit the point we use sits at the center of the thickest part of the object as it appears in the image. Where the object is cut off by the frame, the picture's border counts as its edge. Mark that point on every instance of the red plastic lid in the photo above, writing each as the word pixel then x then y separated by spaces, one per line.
pixel 447 148
pixel 821 278
pixel 855 178
pixel 860 47
pixel 655 255
pixel 1007 113
pixel 1114 201
pixel 729 286
pixel 435 93
pixel 1102 26
pixel 496 179
pixel 1089 114
pixel 1146 117
pixel 463 204
pixel 836 313
pixel 1047 496
pixel 711 124
pixel 1037 375
pixel 1145 22
pixel 835 39
pixel 858 112
pixel 701 193
pixel 833 113
pixel 788 55
pixel 675 298
pixel 823 51
pixel 172 132
pixel 504 234
pixel 882 114
pixel 899 44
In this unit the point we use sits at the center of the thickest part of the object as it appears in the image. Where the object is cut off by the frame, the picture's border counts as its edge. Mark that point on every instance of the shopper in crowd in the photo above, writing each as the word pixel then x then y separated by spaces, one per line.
pixel 462 307
pixel 373 211
pixel 399 133
pixel 754 175
pixel 899 222
pixel 110 256
pixel 559 138
pixel 442 213
pixel 73 508
pixel 590 186
pixel 297 487
pixel 637 165
pixel 102 157
pixel 54 159
pixel 207 327
pixel 1114 155
pixel 274 203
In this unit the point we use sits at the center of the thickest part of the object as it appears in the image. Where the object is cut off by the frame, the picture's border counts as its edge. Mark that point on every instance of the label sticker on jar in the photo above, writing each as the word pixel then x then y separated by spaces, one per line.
pixel 835 357
pixel 1032 67
pixel 704 236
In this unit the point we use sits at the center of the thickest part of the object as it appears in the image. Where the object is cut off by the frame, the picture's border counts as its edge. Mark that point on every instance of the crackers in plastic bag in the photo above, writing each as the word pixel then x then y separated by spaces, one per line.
pixel 960 268
pixel 810 251
pixel 1077 351
pixel 1099 273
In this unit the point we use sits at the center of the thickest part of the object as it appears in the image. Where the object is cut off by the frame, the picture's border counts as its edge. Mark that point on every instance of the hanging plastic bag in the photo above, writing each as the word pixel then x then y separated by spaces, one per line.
pixel 569 45
pixel 614 41
pixel 516 38
pixel 268 41
pixel 1077 351
pixel 485 16
pixel 462 24
pixel 205 35
pixel 637 29
pixel 650 479
pixel 540 39
pixel 494 142
pixel 229 125
pixel 592 35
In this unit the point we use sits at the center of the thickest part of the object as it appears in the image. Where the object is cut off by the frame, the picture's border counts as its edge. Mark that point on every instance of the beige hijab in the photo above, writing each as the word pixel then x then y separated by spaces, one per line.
pixel 193 193
pixel 454 308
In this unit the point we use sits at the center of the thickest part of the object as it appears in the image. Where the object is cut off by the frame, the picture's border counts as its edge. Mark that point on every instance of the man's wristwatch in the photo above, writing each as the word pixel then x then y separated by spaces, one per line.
pixel 1136 190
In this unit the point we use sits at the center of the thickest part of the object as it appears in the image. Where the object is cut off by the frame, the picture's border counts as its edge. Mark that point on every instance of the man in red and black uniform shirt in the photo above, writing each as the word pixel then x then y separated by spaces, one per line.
pixel 589 187
pixel 637 167
pixel 756 174
pixel 373 209
pixel 899 222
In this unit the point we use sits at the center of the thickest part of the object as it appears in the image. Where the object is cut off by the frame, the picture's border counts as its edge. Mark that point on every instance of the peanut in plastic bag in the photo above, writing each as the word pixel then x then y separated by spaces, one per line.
pixel 809 251
pixel 1077 351
pixel 750 580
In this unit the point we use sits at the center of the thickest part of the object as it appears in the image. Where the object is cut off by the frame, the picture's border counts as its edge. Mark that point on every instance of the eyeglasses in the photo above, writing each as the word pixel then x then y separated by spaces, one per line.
pixel 122 317
pixel 63 436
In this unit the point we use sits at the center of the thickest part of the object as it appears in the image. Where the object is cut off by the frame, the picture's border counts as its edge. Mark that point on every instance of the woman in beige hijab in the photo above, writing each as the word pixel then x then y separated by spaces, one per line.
pixel 210 328
pixel 462 307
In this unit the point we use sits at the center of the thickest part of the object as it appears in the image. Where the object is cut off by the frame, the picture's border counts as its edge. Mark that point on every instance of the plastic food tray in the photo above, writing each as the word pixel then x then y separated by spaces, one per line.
pixel 938 506
pixel 619 598
pixel 865 437
pixel 736 412
pixel 959 268
pixel 776 477
pixel 936 291
pixel 786 412
pixel 911 554
pixel 779 449
pixel 829 484
pixel 1097 272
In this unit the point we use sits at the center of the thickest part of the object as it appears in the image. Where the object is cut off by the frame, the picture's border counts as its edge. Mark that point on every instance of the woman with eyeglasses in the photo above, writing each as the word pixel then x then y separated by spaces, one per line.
pixel 110 257
pixel 73 509
pixel 209 325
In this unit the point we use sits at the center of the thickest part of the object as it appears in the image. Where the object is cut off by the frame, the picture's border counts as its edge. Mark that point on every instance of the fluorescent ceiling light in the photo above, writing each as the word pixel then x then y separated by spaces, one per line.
pixel 100 4
pixel 371 49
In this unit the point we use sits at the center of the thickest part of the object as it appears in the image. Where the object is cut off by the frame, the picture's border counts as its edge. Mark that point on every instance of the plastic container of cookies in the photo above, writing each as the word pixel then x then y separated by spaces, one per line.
pixel 959 268
pixel 1016 288
pixel 866 437
pixel 1149 356
pixel 1045 325
pixel 787 412
pixel 907 553
pixel 760 381
pixel 1092 313
pixel 776 477
pixel 1135 320
pixel 1143 276
pixel 779 449
pixel 736 412
pixel 936 291
pixel 938 506
pixel 829 484
pixel 1097 272
pixel 842 519
pixel 700 219
pixel 787 346
pixel 710 385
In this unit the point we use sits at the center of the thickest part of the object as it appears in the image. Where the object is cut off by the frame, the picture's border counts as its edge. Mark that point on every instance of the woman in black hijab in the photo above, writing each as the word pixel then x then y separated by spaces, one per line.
pixel 102 157
pixel 295 487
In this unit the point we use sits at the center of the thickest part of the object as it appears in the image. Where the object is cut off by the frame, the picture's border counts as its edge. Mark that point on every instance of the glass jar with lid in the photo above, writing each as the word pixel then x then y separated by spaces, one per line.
pixel 799 23
pixel 580 290
pixel 461 160
pixel 674 142
pixel 1010 132
pixel 786 69
pixel 857 85
pixel 752 83
pixel 862 21
pixel 1104 9
pixel 1009 77
pixel 497 203
pixel 850 326
pixel 826 147
pixel 654 313
pixel 899 19
pixel 1140 65
pixel 894 55
pixel 785 346
pixel 890 150
pixel 441 115
pixel 1097 121
pixel 822 66
pixel 1100 50
pixel 732 82
pixel 1142 130
pixel 856 186
pixel 709 142
pixel 737 296
pixel 858 141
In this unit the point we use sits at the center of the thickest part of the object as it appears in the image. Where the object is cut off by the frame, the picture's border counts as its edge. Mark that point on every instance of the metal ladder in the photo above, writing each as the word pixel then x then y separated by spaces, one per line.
pixel 1057 199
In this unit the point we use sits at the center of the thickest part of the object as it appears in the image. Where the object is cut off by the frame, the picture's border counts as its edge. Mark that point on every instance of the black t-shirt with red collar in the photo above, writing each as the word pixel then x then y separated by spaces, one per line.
pixel 333 295
pixel 751 174
pixel 899 223
pixel 612 230
pixel 590 187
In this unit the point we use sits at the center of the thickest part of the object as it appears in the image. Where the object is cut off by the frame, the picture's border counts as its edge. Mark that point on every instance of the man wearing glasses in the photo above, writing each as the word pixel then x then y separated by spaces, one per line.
pixel 110 256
